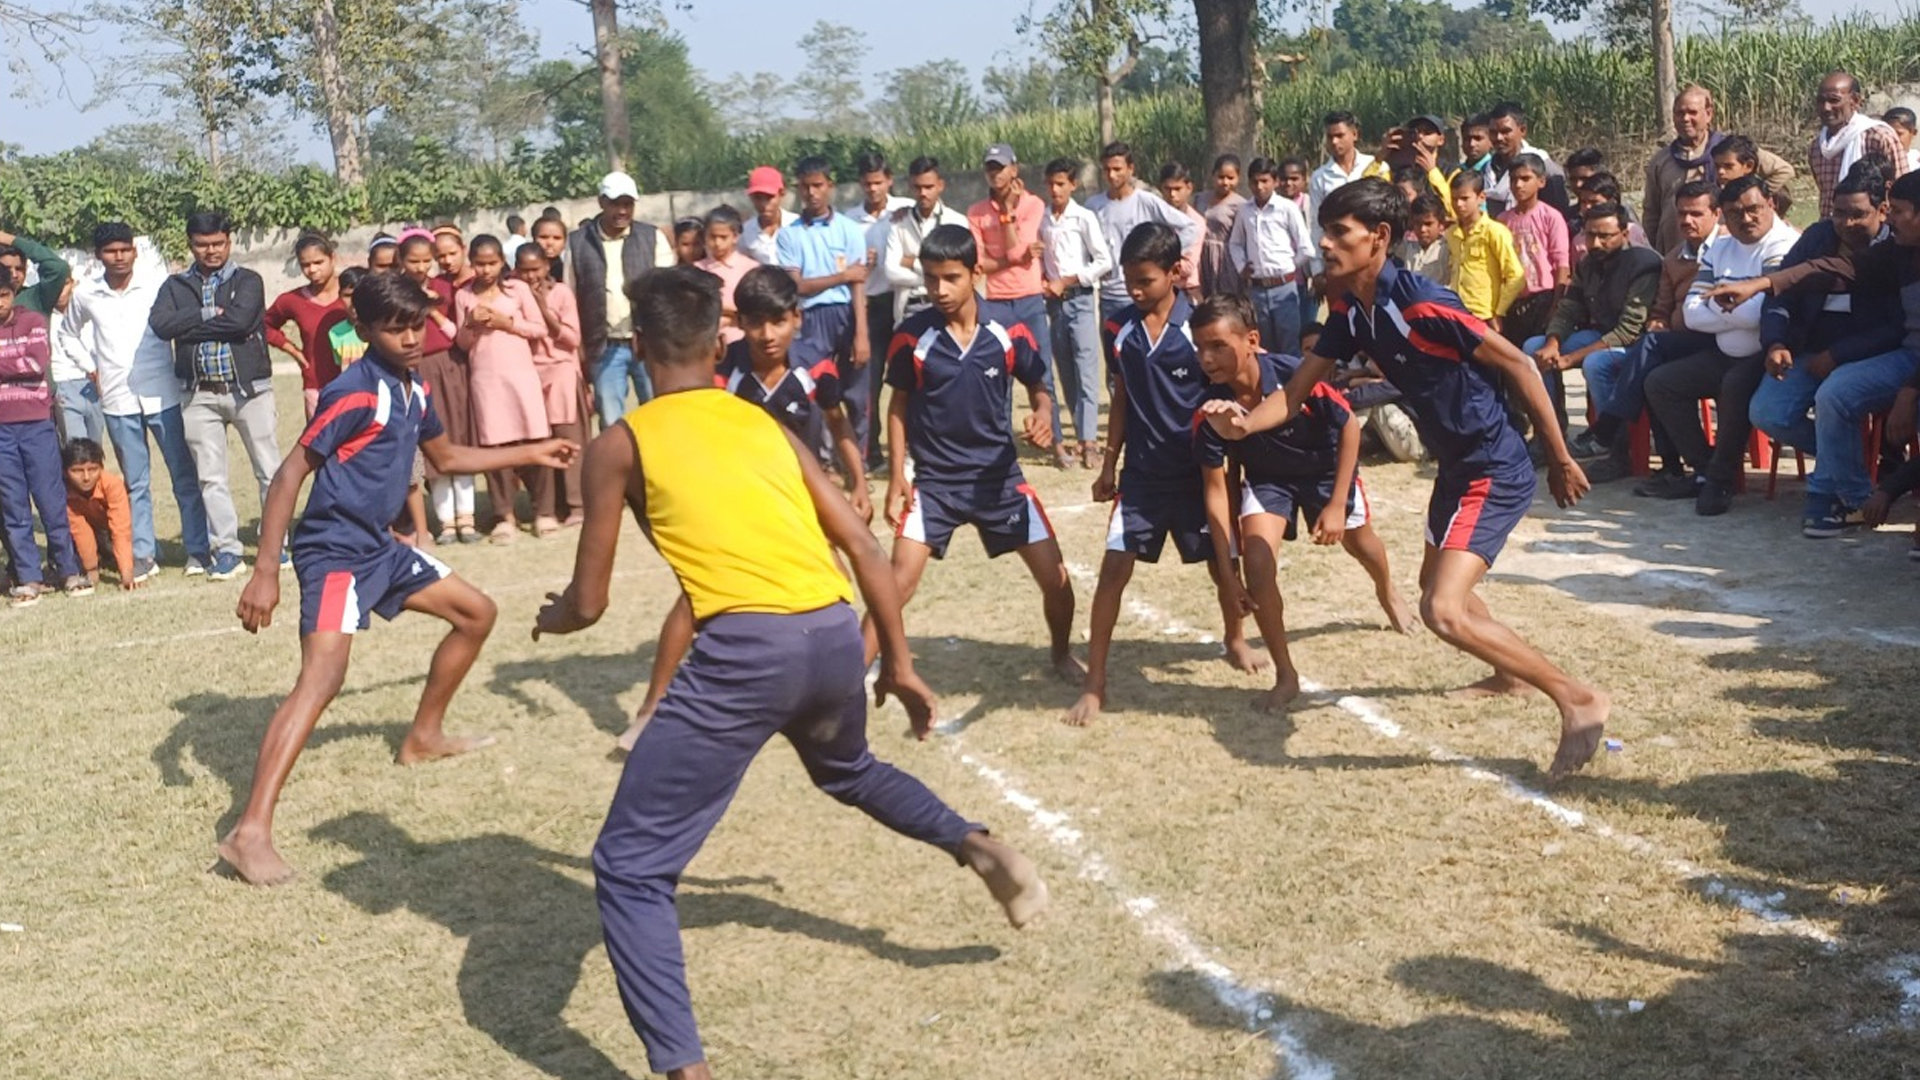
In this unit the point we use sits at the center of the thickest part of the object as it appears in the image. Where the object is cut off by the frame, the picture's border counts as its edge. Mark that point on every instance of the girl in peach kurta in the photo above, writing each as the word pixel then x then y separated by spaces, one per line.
pixel 498 322
pixel 557 356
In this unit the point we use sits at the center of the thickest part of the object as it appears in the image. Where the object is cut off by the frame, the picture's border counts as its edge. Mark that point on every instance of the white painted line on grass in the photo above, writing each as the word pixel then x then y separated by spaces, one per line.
pixel 1370 714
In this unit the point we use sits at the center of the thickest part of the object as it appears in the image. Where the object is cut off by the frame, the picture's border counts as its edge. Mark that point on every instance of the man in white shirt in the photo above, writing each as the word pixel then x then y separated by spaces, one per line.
pixel 1123 207
pixel 138 390
pixel 1269 248
pixel 1075 258
pixel 1730 371
pixel 910 226
pixel 74 387
pixel 861 385
pixel 1345 164
pixel 767 190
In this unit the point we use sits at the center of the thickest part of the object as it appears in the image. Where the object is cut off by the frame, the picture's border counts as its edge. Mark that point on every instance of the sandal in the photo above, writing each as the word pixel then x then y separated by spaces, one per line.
pixel 447 536
pixel 545 526
pixel 464 530
pixel 504 533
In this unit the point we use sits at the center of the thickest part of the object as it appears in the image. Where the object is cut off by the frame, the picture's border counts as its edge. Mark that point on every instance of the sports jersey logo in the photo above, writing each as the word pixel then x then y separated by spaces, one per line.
pixel 992 372
pixel 1180 372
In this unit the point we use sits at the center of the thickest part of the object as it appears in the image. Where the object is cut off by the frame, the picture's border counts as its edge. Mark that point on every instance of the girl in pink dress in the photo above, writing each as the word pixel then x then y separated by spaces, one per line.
pixel 557 357
pixel 499 321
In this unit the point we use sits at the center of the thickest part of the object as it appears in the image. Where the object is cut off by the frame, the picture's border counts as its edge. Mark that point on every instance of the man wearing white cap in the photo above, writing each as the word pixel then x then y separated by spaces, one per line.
pixel 612 239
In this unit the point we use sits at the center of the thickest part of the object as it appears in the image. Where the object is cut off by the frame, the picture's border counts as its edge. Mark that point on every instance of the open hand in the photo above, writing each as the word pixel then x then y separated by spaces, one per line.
pixel 1731 294
pixel 916 696
pixel 1568 482
pixel 1330 526
pixel 559 616
pixel 1228 419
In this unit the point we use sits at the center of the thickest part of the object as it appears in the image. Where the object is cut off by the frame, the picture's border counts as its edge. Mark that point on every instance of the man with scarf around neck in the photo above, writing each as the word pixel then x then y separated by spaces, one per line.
pixel 1846 135
pixel 1690 157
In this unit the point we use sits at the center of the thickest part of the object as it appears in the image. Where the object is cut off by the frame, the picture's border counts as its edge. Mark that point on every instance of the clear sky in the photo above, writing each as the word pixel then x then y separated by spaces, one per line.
pixel 723 36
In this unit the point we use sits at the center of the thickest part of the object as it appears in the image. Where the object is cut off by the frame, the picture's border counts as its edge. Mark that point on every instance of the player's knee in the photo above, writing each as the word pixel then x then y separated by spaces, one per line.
pixel 1445 615
pixel 478 615
pixel 1261 562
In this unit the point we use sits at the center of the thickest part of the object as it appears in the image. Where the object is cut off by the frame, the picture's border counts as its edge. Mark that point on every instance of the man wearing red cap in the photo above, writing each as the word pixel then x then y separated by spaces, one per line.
pixel 768 190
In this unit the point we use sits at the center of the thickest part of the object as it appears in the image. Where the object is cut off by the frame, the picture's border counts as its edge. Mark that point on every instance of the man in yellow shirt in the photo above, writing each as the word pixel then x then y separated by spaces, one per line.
pixel 1486 271
pixel 778 650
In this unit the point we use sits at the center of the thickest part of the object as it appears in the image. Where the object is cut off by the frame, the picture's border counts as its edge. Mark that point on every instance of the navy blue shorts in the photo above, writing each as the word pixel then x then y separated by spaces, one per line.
pixel 1144 516
pixel 337 595
pixel 1007 514
pixel 1475 511
pixel 1297 499
pixel 825 331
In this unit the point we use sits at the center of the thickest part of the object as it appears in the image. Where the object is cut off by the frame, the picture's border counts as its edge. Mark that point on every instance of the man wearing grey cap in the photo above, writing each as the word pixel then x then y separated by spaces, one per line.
pixel 1006 229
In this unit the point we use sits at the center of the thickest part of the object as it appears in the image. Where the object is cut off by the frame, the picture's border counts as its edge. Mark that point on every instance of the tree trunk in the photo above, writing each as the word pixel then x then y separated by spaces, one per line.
pixel 1666 80
pixel 613 101
pixel 347 162
pixel 1109 127
pixel 1227 92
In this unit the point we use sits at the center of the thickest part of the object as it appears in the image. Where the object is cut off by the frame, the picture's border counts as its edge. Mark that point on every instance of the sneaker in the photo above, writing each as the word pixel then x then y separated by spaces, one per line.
pixel 1836 519
pixel 1714 499
pixel 1607 469
pixel 195 568
pixel 144 570
pixel 1667 485
pixel 25 595
pixel 1585 447
pixel 225 566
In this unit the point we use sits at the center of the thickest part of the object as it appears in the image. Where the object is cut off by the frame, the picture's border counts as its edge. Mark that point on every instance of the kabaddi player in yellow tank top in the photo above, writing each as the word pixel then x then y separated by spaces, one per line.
pixel 744 516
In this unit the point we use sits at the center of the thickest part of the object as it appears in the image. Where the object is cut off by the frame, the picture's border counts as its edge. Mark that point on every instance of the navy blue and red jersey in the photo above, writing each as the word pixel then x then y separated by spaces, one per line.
pixel 960 401
pixel 1164 386
pixel 1424 342
pixel 798 400
pixel 1306 447
pixel 367 427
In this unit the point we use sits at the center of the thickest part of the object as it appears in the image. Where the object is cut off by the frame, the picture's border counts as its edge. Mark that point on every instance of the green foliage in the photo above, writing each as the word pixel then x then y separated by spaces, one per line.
pixel 675 127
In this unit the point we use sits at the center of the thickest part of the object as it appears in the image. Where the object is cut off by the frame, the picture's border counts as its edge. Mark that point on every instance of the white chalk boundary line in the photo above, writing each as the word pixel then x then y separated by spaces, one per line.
pixel 1771 918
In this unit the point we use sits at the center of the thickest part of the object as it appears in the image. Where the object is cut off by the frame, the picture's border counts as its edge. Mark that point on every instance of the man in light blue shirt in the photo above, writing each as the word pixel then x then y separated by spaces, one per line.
pixel 826 252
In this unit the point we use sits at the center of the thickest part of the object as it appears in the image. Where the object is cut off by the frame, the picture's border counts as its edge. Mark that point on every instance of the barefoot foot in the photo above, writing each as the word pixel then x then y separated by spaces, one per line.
pixel 1069 669
pixel 1494 685
pixel 1010 876
pixel 1086 710
pixel 417 750
pixel 1285 689
pixel 1580 729
pixel 1246 659
pixel 1399 615
pixel 254 859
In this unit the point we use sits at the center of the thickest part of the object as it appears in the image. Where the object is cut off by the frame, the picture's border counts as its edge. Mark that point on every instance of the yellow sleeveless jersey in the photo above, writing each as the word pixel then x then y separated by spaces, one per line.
pixel 728 507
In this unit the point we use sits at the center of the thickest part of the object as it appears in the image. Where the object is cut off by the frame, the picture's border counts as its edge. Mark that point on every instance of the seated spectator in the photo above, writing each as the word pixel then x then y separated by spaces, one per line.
pixel 1482 264
pixel 1902 121
pixel 1730 371
pixel 97 503
pixel 1736 156
pixel 1595 189
pixel 30 473
pixel 1605 306
pixel 1901 420
pixel 1424 250
pixel 1540 234
pixel 1580 165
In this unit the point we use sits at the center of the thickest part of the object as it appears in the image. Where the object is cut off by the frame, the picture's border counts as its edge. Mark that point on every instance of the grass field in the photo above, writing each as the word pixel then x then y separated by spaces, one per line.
pixel 1377 886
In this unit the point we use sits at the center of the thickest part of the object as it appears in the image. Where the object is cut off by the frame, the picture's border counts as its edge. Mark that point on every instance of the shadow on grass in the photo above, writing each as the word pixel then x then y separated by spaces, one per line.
pixel 530 921
pixel 592 681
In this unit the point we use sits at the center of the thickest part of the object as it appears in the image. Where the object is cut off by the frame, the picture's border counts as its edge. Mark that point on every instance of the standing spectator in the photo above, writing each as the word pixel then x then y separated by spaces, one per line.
pixel 1484 265
pixel 1476 146
pixel 1507 125
pixel 1730 371
pixel 1176 186
pixel 767 190
pixel 516 236
pixel 1540 235
pixel 1218 274
pixel 138 391
pixel 1846 135
pixel 31 477
pixel 1735 156
pixel 860 386
pixel 1903 122
pixel 1606 306
pixel 499 320
pixel 18 251
pixel 689 240
pixel 1269 249
pixel 97 503
pixel 309 308
pixel 76 381
pixel 826 254
pixel 928 213
pixel 383 253
pixel 1123 207
pixel 1076 258
pixel 1592 191
pixel 604 254
pixel 556 356
pixel 1690 157
pixel 1345 164
pixel 1424 251
pixel 343 340
pixel 446 375
pixel 213 314
pixel 727 262
pixel 450 254
pixel 550 236
pixel 1006 230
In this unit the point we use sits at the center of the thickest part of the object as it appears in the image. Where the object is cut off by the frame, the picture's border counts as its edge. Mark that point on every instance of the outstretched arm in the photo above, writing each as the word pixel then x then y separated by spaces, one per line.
pixel 610 472
pixel 472 460
pixel 1233 422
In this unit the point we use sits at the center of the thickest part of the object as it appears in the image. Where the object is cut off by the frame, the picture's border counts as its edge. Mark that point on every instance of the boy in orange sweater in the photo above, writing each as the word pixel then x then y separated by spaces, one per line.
pixel 97 502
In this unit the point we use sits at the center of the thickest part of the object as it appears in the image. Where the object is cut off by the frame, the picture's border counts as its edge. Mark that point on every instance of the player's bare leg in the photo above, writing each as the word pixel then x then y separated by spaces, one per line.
pixel 1241 654
pixel 1450 608
pixel 1260 537
pixel 1495 685
pixel 469 614
pixel 909 563
pixel 1049 570
pixel 1365 547
pixel 1010 876
pixel 248 848
pixel 1116 569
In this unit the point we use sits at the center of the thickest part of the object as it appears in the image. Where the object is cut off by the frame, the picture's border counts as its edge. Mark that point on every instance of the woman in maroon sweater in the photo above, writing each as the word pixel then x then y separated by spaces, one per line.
pixel 445 373
pixel 309 308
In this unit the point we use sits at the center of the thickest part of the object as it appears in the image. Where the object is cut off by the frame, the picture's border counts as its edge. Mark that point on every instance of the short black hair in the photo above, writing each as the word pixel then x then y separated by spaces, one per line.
pixel 1695 189
pixel 1907 188
pixel 676 314
pixel 1533 163
pixel 1477 120
pixel 520 254
pixel 1427 205
pixel 1370 201
pixel 766 293
pixel 7 283
pixel 873 161
pixel 1172 171
pixel 552 213
pixel 1867 177
pixel 383 299
pixel 209 223
pixel 1117 149
pixel 82 452
pixel 515 222
pixel 111 232
pixel 1341 116
pixel 950 243
pixel 725 214
pixel 1741 148
pixel 1222 307
pixel 1606 210
pixel 1225 160
pixel 1901 116
pixel 1509 110
pixel 1587 157
pixel 352 276
pixel 1263 166
pixel 1468 178
pixel 1151 242
pixel 1734 189
pixel 1062 165
pixel 310 240
pixel 1293 163
pixel 812 165
pixel 1409 174
pixel 923 165
pixel 1603 184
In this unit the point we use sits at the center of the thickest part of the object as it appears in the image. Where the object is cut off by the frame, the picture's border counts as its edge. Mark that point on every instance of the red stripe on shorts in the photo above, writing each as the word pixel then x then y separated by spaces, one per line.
pixel 1040 507
pixel 1467 515
pixel 333 602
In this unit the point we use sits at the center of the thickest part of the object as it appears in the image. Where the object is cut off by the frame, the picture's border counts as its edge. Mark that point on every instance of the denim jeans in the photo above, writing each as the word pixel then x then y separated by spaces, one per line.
pixel 1030 312
pixel 129 435
pixel 1841 403
pixel 1075 329
pixel 1557 380
pixel 1277 311
pixel 31 479
pixel 611 375
pixel 80 409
